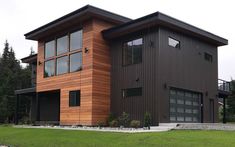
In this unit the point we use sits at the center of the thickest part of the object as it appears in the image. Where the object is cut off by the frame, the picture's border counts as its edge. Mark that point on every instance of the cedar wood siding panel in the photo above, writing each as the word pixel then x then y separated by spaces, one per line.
pixel 100 74
pixel 123 77
pixel 81 80
pixel 186 68
pixel 93 80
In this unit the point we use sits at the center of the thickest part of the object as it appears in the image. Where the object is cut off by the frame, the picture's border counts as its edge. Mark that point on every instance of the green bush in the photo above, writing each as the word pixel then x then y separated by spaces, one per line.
pixel 25 120
pixel 110 118
pixel 135 124
pixel 147 120
pixel 124 120
pixel 113 123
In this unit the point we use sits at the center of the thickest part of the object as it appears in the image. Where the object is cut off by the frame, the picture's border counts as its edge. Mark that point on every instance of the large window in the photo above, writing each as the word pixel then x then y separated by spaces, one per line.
pixel 66 52
pixel 62 45
pixel 62 65
pixel 49 68
pixel 173 42
pixel 130 92
pixel 50 49
pixel 75 62
pixel 76 40
pixel 132 52
pixel 74 98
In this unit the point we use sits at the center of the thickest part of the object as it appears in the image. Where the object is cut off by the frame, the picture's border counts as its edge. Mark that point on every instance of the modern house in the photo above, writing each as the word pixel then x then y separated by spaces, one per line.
pixel 92 62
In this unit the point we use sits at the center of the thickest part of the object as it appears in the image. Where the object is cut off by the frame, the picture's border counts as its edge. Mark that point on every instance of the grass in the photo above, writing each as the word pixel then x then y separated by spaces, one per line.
pixel 25 137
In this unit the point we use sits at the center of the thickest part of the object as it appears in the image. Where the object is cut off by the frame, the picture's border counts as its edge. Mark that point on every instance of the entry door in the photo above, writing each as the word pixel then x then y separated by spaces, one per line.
pixel 212 110
pixel 185 106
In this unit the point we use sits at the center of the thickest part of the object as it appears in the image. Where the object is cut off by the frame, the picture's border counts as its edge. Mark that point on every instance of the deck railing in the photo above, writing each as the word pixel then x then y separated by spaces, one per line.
pixel 224 85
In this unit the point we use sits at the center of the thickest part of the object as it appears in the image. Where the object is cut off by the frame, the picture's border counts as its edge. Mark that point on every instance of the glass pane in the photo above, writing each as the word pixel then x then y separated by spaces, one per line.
pixel 173 118
pixel 62 45
pixel 76 40
pixel 172 92
pixel 180 118
pixel 180 110
pixel 188 102
pixel 180 101
pixel 50 49
pixel 49 68
pixel 195 111
pixel 195 103
pixel 188 110
pixel 127 53
pixel 188 119
pixel 62 65
pixel 180 93
pixel 172 109
pixel 137 50
pixel 133 92
pixel 174 43
pixel 195 119
pixel 187 94
pixel 76 62
pixel 173 101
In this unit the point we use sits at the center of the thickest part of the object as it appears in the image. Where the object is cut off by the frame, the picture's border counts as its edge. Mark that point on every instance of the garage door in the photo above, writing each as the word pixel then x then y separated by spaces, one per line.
pixel 185 106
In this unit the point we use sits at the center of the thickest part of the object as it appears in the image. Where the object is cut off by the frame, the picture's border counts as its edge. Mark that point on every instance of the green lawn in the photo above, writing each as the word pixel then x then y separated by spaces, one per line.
pixel 22 137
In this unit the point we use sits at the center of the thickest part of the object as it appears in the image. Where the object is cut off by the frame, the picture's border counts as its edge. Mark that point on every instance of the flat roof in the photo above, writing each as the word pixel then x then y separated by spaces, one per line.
pixel 77 16
pixel 160 19
pixel 30 59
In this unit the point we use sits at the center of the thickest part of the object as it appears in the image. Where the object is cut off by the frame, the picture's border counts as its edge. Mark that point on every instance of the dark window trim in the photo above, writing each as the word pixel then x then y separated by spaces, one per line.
pixel 128 40
pixel 79 104
pixel 175 40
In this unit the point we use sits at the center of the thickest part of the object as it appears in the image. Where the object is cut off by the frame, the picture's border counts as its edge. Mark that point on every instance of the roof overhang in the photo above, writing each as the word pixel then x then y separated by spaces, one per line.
pixel 30 59
pixel 73 18
pixel 26 91
pixel 160 19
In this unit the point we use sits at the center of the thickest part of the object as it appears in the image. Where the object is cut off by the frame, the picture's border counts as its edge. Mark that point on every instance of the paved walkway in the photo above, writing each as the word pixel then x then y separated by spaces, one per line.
pixel 161 128
pixel 206 126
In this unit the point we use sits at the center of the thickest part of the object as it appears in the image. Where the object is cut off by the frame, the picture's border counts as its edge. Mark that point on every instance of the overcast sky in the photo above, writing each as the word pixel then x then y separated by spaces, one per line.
pixel 216 16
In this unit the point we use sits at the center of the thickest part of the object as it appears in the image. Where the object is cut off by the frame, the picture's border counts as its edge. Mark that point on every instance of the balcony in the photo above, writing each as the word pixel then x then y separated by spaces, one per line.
pixel 224 88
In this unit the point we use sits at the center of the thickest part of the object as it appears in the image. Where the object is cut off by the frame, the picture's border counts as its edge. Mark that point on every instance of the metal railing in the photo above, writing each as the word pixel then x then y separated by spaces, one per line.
pixel 224 85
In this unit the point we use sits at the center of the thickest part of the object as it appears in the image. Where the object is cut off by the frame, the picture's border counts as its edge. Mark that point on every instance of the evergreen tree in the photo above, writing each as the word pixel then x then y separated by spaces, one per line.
pixel 12 77
pixel 231 102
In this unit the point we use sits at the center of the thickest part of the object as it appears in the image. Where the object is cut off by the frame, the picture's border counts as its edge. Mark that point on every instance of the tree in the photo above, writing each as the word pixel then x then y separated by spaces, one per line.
pixel 12 77
pixel 231 102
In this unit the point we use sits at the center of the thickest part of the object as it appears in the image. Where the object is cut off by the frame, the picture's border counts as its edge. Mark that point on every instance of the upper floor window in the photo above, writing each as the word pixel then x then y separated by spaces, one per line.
pixel 62 45
pixel 208 57
pixel 76 40
pixel 173 42
pixel 132 51
pixel 50 49
pixel 63 54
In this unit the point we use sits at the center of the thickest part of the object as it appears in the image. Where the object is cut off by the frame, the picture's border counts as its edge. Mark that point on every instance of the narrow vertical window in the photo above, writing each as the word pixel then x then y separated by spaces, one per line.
pixel 132 52
pixel 76 40
pixel 75 62
pixel 49 49
pixel 62 45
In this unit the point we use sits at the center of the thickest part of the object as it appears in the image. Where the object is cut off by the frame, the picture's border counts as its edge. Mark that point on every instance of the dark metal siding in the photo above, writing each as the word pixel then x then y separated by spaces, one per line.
pixel 186 68
pixel 163 67
pixel 125 77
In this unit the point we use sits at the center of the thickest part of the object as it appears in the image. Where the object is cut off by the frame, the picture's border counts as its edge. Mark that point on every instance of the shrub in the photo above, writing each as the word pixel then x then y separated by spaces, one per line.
pixel 124 119
pixel 135 124
pixel 100 124
pixel 25 120
pixel 147 120
pixel 113 123
pixel 110 118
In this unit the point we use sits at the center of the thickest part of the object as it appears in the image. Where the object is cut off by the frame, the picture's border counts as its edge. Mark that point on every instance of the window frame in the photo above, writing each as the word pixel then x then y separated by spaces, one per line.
pixel 67 53
pixel 169 37
pixel 45 68
pixel 124 91
pixel 123 51
pixel 56 60
pixel 69 62
pixel 208 57
pixel 78 102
